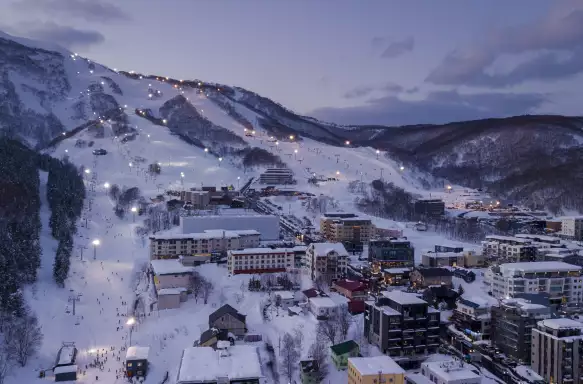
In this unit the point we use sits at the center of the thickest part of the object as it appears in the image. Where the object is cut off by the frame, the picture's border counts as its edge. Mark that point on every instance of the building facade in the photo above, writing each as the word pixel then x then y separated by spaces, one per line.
pixel 374 370
pixel 348 229
pixel 562 281
pixel 429 208
pixel 277 176
pixel 391 253
pixel 260 260
pixel 327 261
pixel 442 259
pixel 198 199
pixel 450 372
pixel 402 326
pixel 508 249
pixel 472 316
pixel 513 320
pixel 557 351
pixel 192 244
pixel 572 228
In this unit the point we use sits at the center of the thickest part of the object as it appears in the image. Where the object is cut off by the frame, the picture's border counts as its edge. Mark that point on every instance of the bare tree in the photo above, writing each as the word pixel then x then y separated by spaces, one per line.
pixel 6 363
pixel 24 338
pixel 289 356
pixel 319 352
pixel 343 318
pixel 321 284
pixel 207 288
pixel 328 330
pixel 196 283
pixel 299 338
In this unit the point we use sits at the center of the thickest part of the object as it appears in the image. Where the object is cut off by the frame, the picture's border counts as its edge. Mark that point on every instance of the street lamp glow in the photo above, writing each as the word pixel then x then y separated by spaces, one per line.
pixel 238 177
pixel 295 151
pixel 378 151
pixel 402 168
pixel 449 187
pixel 206 149
pixel 88 171
pixel 181 174
pixel 134 209
pixel 277 143
pixel 347 142
pixel 130 164
pixel 96 242
pixel 131 321
pixel 106 185
pixel 148 136
pixel 291 137
pixel 164 121
pixel 252 132
pixel 220 159
pixel 337 172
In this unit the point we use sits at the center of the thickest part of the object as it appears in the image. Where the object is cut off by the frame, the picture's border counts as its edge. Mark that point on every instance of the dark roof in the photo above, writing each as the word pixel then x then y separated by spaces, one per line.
pixel 224 310
pixel 221 334
pixel 434 272
pixel 343 348
pixel 312 292
pixel 441 292
pixel 469 303
pixel 308 366
pixel 351 285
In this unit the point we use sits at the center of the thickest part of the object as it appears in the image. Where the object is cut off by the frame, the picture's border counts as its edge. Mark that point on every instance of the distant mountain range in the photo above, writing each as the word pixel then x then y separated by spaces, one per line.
pixel 532 159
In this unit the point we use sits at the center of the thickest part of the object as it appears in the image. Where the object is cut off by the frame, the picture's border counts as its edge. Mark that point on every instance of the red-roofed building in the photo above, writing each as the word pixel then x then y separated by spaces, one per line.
pixel 356 306
pixel 351 289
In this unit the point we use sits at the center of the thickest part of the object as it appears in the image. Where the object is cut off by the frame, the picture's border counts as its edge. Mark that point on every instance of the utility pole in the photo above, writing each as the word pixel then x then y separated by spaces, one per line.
pixel 74 299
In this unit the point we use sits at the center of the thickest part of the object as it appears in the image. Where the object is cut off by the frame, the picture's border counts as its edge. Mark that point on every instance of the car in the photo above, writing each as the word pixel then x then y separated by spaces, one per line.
pixel 99 152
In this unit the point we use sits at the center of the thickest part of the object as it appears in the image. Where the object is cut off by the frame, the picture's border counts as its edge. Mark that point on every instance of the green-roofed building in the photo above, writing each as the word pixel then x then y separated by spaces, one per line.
pixel 341 352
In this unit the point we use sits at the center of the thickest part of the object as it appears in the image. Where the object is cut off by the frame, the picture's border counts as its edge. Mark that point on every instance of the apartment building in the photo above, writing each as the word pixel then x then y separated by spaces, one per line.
pixel 562 281
pixel 472 316
pixel 508 249
pixel 403 326
pixel 277 176
pixel 326 261
pixel 557 351
pixel 391 253
pixel 210 241
pixel 514 320
pixel 572 227
pixel 450 372
pixel 540 238
pixel 347 228
pixel 198 199
pixel 442 259
pixel 260 260
pixel 374 370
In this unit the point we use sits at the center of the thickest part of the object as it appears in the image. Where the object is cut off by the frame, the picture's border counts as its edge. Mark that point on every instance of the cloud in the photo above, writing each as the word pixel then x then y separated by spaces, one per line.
pixel 366 90
pixel 438 107
pixel 398 48
pixel 559 32
pixel 90 10
pixel 67 37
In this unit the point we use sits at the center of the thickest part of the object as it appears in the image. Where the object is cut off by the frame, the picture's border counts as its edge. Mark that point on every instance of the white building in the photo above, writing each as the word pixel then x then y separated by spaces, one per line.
pixel 237 363
pixel 277 176
pixel 171 246
pixel 260 260
pixel 171 274
pixel 266 225
pixel 572 227
pixel 326 260
pixel 562 281
pixel 507 248
pixel 285 298
pixel 327 306
pixel 450 372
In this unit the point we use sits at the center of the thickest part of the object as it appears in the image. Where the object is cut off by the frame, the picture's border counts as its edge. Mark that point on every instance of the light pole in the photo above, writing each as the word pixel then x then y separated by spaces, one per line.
pixel 131 321
pixel 238 178
pixel 134 210
pixel 291 137
pixel 295 153
pixel 378 153
pixel 402 168
pixel 95 243
pixel 130 165
pixel 381 173
pixel 220 159
pixel 182 178
pixel 347 142
pixel 206 151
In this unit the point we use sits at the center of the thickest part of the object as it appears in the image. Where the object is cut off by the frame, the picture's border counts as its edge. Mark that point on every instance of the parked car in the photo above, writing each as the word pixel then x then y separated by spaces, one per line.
pixel 99 152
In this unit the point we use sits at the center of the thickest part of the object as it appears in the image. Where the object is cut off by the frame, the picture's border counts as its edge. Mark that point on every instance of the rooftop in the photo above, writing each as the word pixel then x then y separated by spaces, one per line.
pixel 207 235
pixel 65 369
pixel 434 272
pixel 323 249
pixel 169 267
pixel 561 323
pixel 375 365
pixel 345 347
pixel 539 266
pixel 539 237
pixel 202 364
pixel 403 298
pixel 285 295
pixel 260 251
pixel 323 302
pixel 397 270
pixel 507 238
pixel 454 370
pixel 351 285
pixel 137 353
pixel 433 254
pixel 417 378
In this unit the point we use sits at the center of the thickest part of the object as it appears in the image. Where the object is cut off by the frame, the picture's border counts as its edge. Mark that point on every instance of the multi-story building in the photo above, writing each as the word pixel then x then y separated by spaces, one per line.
pixel 450 372
pixel 277 176
pixel 198 199
pixel 348 229
pixel 402 326
pixel 562 281
pixel 429 208
pixel 391 253
pixel 442 259
pixel 266 225
pixel 448 248
pixel 508 249
pixel 373 370
pixel 174 245
pixel 557 351
pixel 539 238
pixel 260 260
pixel 513 320
pixel 326 261
pixel 472 316
pixel 572 227
pixel 425 277
pixel 474 259
pixel 351 289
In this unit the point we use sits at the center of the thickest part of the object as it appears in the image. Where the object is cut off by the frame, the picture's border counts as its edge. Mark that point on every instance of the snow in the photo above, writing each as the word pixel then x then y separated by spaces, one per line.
pixel 403 298
pixel 260 251
pixel 137 353
pixel 66 355
pixel 266 225
pixel 527 373
pixel 65 369
pixel 323 302
pixel 207 235
pixel 200 364
pixel 374 365
pixel 285 295
pixel 169 267
pixel 452 371
pixel 561 323
pixel 171 291
pixel 323 249
pixel 537 266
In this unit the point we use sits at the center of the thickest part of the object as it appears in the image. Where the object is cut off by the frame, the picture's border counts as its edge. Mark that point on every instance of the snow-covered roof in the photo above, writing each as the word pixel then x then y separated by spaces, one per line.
pixel 375 365
pixel 451 371
pixel 323 249
pixel 207 234
pixel 507 238
pixel 171 291
pixel 397 270
pixel 417 378
pixel 66 355
pixel 137 353
pixel 65 369
pixel 285 295
pixel 260 251
pixel 169 267
pixel 527 372
pixel 295 309
pixel 523 304
pixel 323 302
pixel 202 364
pixel 540 237
pixel 561 323
pixel 539 266
pixel 432 254
pixel 403 298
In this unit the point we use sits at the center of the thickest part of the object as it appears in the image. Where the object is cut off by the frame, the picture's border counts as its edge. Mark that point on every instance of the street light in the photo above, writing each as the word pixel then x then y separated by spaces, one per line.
pixel 87 171
pixel 378 152
pixel 402 168
pixel 95 243
pixel 134 210
pixel 220 159
pixel 182 178
pixel 337 173
pixel 347 142
pixel 295 153
pixel 131 321
pixel 106 185
pixel 238 178
pixel 291 137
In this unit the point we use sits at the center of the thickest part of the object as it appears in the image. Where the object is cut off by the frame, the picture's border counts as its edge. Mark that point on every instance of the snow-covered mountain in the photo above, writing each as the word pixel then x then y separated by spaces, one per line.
pixel 48 93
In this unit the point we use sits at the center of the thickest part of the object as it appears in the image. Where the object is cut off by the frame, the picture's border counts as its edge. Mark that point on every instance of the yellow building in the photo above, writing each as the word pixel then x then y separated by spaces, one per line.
pixel 368 370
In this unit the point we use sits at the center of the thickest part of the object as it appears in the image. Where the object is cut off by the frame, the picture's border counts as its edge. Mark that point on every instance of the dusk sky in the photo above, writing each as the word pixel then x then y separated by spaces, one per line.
pixel 347 61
